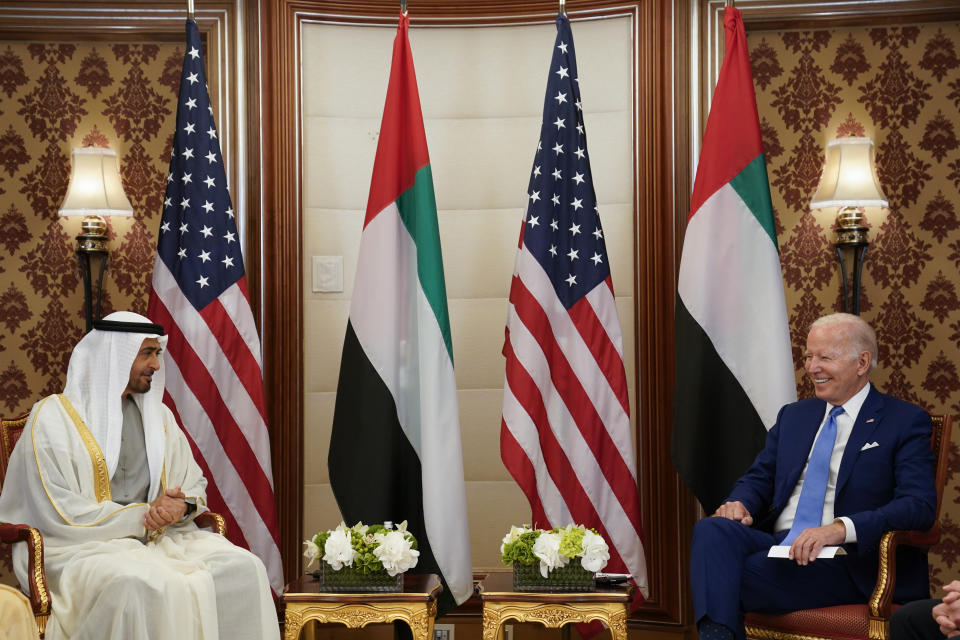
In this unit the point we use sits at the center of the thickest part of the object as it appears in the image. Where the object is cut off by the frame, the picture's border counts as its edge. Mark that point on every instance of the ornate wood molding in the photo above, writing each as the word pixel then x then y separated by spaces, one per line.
pixel 661 164
pixel 281 231
pixel 794 14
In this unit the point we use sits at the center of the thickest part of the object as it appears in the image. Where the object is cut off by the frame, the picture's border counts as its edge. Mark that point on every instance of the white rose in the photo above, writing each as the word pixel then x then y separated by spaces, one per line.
pixel 338 550
pixel 395 552
pixel 596 553
pixel 547 550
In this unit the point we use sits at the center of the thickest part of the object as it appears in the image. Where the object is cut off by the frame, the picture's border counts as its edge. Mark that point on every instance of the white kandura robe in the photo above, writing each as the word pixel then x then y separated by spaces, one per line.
pixel 106 583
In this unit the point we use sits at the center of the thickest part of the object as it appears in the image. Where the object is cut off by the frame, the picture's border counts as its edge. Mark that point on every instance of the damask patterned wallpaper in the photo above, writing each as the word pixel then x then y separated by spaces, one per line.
pixel 900 86
pixel 53 97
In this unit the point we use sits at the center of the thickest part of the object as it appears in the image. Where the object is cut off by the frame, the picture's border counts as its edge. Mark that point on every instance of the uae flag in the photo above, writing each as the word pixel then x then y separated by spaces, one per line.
pixel 734 368
pixel 395 450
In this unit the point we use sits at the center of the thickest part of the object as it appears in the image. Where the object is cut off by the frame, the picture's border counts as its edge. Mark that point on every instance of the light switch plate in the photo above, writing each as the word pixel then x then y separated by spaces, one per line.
pixel 327 274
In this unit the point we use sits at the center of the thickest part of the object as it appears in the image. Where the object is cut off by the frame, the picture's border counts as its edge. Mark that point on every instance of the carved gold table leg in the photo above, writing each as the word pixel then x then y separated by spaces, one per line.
pixel 492 623
pixel 421 621
pixel 292 622
pixel 618 624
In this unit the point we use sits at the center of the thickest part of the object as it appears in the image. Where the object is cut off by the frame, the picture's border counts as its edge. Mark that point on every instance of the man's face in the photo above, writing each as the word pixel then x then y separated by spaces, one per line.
pixel 146 363
pixel 836 374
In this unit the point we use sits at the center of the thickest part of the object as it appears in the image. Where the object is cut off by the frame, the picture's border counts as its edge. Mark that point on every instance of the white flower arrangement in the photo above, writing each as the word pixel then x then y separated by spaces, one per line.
pixel 555 548
pixel 368 548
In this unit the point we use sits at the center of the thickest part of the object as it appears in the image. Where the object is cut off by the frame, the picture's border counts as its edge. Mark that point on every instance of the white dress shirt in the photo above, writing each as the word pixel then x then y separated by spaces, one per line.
pixel 845 422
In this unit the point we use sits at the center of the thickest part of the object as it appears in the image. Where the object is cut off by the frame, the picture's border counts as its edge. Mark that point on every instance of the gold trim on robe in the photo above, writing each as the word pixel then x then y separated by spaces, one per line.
pixel 101 477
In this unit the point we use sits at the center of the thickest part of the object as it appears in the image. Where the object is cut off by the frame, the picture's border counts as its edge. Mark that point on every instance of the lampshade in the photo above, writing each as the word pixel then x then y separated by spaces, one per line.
pixel 849 176
pixel 95 188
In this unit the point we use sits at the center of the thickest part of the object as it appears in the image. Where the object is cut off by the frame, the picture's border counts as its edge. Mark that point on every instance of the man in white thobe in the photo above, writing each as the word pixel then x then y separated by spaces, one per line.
pixel 107 476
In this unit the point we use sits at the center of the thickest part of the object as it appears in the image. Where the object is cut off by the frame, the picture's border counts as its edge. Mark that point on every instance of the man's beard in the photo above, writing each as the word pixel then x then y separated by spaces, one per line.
pixel 141 386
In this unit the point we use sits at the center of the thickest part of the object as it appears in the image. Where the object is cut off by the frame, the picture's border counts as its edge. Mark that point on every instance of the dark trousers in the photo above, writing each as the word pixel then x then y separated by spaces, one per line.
pixel 730 573
pixel 914 621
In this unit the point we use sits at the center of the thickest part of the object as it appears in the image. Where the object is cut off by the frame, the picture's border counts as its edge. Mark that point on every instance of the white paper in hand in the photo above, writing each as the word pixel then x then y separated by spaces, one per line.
pixel 783 551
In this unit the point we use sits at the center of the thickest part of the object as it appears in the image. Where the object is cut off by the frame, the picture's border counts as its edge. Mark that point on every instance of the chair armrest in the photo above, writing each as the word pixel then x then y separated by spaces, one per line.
pixel 212 521
pixel 881 600
pixel 39 594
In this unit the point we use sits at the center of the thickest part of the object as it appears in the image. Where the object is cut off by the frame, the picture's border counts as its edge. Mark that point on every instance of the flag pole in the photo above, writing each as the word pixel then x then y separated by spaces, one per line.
pixel 403 7
pixel 190 12
pixel 563 7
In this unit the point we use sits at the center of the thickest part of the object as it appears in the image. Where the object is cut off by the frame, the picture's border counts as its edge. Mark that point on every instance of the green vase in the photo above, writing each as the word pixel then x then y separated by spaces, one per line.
pixel 351 580
pixel 571 577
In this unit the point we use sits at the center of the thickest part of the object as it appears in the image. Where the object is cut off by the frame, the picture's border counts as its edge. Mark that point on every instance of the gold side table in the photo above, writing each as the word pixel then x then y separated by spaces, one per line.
pixel 552 610
pixel 416 605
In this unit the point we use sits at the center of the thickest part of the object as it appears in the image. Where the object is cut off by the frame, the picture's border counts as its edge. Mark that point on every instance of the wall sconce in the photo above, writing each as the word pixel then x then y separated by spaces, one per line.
pixel 95 191
pixel 849 182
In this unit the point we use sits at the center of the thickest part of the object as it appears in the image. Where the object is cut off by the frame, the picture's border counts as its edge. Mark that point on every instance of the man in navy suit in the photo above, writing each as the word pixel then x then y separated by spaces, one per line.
pixel 876 473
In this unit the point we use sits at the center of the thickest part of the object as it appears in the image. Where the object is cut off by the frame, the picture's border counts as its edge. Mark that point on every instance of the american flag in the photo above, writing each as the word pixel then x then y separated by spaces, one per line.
pixel 214 379
pixel 565 434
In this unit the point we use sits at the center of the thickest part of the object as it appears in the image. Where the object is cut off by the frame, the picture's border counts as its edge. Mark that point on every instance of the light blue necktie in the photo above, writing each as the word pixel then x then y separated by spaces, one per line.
pixel 810 506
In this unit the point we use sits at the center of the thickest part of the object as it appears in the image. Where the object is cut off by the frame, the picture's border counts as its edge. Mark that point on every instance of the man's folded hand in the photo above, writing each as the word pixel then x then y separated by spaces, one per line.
pixel 734 511
pixel 166 509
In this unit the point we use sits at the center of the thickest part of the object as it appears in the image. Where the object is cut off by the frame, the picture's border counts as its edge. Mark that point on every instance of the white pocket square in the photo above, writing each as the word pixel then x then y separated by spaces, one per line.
pixel 869 445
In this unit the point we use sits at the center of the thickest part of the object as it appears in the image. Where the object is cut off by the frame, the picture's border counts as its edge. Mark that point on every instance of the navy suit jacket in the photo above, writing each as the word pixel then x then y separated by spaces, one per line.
pixel 888 486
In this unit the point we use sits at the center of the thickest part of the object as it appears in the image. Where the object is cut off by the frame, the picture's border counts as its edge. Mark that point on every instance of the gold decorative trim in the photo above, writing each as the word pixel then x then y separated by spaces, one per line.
pixel 163 468
pixel 757 633
pixel 221 523
pixel 553 615
pixel 292 623
pixel 490 627
pixel 879 629
pixel 154 534
pixel 883 576
pixel 101 477
pixel 419 616
pixel 38 577
pixel 33 437
pixel 618 624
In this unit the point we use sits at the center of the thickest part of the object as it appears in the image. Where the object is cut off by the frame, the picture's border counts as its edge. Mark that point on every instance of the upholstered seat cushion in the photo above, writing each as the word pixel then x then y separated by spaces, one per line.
pixel 844 621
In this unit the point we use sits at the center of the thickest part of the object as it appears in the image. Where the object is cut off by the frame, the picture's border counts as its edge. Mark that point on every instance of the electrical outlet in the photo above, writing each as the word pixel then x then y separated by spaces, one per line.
pixel 443 631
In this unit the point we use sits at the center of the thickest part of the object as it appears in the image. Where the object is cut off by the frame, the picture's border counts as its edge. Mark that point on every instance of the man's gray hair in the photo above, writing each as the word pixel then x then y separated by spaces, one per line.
pixel 856 333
